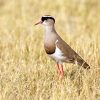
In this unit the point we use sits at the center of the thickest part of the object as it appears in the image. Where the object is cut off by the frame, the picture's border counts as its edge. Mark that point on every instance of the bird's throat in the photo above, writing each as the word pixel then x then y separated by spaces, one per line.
pixel 50 29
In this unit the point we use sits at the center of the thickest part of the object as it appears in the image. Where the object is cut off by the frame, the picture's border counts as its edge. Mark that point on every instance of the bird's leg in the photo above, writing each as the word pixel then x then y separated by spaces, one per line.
pixel 62 71
pixel 58 69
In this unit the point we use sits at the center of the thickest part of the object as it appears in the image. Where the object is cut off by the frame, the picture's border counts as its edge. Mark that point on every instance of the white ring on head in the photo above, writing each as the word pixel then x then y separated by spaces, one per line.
pixel 47 16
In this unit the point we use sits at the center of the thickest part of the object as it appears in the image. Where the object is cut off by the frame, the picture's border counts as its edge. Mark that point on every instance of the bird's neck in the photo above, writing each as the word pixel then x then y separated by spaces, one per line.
pixel 50 35
pixel 50 29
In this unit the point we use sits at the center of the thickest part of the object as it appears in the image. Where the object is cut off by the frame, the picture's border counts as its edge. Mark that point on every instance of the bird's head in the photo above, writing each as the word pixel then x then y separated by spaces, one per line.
pixel 46 20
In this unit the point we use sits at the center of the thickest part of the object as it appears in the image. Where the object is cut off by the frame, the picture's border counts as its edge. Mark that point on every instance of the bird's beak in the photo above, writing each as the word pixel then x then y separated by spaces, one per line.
pixel 40 22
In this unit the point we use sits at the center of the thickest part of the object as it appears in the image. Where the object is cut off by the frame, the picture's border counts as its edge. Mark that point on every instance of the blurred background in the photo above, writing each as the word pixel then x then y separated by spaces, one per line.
pixel 23 62
pixel 76 16
pixel 76 21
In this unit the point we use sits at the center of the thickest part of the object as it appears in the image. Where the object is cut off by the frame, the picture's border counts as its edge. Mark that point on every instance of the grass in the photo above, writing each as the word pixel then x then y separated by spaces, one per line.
pixel 26 72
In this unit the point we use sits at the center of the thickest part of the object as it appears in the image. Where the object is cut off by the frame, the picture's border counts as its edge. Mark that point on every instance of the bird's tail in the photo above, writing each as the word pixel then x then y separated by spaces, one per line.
pixel 82 63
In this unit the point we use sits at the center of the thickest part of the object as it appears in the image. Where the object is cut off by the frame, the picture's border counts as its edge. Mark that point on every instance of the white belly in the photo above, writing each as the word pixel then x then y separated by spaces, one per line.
pixel 58 56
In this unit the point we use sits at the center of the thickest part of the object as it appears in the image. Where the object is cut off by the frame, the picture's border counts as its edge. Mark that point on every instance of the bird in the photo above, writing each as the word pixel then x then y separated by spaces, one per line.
pixel 57 49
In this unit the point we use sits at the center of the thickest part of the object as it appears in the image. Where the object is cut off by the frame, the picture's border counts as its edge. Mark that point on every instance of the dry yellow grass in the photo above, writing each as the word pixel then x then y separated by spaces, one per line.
pixel 26 73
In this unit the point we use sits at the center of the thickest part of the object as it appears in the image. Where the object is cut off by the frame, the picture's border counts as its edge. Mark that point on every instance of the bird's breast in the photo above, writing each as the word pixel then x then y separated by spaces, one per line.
pixel 50 49
pixel 49 43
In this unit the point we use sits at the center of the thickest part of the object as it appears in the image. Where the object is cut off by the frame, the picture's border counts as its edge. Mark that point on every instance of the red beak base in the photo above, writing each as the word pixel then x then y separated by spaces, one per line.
pixel 40 22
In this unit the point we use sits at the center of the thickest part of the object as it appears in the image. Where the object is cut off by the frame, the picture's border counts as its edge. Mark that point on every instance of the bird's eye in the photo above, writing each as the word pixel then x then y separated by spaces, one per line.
pixel 44 19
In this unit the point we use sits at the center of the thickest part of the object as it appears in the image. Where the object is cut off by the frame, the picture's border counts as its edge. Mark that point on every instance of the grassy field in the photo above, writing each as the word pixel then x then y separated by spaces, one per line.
pixel 26 72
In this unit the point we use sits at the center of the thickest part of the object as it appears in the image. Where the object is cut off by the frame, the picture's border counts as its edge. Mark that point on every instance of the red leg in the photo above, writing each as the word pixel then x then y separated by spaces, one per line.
pixel 62 71
pixel 58 69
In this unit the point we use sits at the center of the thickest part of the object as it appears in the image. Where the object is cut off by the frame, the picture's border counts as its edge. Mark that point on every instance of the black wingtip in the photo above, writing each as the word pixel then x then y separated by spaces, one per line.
pixel 85 65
